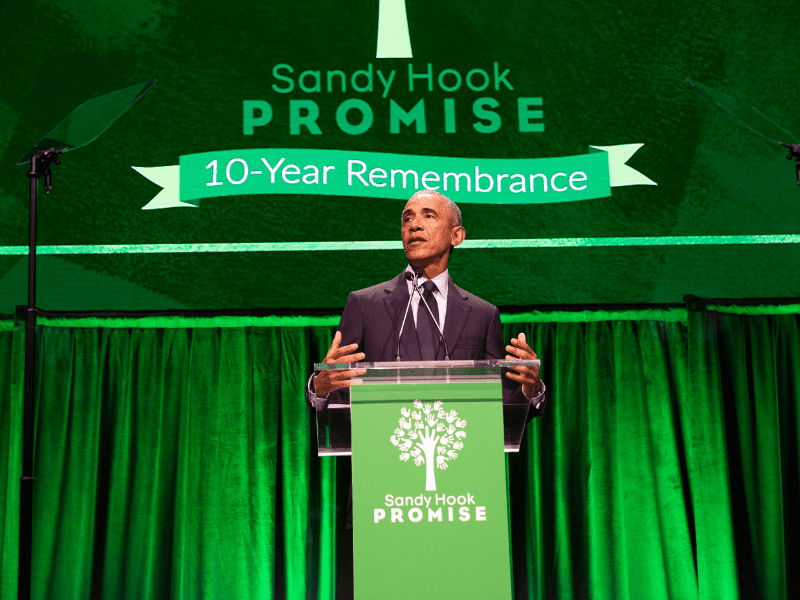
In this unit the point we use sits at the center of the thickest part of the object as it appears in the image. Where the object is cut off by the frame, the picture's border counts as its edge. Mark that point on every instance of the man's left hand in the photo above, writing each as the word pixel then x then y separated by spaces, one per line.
pixel 528 376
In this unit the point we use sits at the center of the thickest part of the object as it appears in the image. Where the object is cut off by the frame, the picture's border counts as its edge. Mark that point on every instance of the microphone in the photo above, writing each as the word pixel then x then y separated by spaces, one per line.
pixel 409 277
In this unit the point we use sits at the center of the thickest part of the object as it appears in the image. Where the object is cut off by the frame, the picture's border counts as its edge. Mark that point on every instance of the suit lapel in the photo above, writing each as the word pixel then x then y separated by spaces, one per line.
pixel 395 301
pixel 455 318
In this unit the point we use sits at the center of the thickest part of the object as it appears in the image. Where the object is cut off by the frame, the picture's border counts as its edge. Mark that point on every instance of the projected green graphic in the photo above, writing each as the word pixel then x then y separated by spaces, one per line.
pixel 393 38
pixel 375 175
pixel 297 90
pixel 508 104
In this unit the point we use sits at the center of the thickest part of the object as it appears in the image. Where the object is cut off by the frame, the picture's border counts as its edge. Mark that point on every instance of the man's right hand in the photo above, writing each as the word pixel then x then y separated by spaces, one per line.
pixel 327 381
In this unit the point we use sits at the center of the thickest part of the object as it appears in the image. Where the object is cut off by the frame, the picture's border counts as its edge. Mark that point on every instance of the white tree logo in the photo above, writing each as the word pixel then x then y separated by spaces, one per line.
pixel 429 435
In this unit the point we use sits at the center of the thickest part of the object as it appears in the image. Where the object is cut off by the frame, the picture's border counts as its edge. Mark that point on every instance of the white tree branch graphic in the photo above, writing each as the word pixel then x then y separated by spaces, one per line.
pixel 430 436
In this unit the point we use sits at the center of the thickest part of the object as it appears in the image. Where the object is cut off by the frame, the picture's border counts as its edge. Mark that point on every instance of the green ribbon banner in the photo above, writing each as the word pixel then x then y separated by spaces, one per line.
pixel 430 515
pixel 396 176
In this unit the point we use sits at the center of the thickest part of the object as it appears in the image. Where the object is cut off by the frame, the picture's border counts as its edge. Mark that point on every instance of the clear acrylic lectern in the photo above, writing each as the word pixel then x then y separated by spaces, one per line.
pixel 427 441
pixel 333 420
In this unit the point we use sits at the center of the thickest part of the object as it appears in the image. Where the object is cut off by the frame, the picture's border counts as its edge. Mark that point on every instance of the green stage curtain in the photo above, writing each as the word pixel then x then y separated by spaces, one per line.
pixel 175 457
pixel 745 368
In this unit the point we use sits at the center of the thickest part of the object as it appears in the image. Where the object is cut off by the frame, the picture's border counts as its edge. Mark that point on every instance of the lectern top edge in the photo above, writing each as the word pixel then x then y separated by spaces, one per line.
pixel 427 364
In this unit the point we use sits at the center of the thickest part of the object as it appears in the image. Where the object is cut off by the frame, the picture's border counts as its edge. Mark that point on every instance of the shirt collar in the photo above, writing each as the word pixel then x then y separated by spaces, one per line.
pixel 441 281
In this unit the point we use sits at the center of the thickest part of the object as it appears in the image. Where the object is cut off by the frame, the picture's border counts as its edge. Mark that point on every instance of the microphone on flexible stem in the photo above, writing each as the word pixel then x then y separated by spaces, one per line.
pixel 409 277
pixel 418 273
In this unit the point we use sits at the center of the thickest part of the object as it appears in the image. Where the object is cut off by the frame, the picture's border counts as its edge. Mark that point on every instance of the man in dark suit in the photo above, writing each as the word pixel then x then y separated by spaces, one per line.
pixel 430 228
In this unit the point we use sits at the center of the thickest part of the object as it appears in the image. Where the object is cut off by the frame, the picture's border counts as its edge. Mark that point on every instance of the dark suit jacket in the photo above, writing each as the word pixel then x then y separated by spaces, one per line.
pixel 372 319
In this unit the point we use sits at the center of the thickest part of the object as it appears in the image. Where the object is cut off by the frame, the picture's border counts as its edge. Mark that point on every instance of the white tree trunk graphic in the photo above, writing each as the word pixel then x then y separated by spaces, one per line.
pixel 393 38
pixel 431 436
pixel 428 446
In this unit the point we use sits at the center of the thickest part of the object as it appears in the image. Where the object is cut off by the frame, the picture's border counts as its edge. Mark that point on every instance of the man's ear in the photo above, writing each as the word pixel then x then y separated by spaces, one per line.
pixel 457 235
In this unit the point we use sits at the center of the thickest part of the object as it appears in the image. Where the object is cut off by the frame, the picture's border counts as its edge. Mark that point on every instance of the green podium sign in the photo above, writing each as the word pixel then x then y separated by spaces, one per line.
pixel 430 513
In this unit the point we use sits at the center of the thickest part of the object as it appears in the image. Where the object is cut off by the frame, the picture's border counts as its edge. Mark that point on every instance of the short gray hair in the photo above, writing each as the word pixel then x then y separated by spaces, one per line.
pixel 455 212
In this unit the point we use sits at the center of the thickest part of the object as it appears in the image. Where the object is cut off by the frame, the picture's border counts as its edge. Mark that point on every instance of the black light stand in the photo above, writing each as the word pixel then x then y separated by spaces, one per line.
pixel 40 165
pixel 82 126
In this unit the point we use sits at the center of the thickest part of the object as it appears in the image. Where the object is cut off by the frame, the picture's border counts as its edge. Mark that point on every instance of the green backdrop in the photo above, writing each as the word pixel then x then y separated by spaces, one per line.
pixel 175 457
pixel 607 72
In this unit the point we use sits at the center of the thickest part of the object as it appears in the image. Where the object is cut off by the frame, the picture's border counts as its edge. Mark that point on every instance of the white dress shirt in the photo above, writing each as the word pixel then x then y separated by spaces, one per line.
pixel 440 294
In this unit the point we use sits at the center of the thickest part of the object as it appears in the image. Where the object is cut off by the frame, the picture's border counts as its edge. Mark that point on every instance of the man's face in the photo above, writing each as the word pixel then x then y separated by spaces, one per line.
pixel 426 227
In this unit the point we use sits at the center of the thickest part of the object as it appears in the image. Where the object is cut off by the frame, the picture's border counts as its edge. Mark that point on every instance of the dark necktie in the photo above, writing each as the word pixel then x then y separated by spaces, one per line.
pixel 427 330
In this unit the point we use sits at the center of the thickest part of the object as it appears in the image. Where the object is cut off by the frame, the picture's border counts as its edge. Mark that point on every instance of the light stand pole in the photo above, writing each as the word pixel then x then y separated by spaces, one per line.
pixel 40 165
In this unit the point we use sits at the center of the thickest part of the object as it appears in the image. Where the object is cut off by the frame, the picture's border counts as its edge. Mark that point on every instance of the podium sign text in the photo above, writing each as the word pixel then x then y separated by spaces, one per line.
pixel 429 504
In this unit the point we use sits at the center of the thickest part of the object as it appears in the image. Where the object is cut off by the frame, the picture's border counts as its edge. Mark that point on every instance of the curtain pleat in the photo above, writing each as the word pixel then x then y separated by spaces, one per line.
pixel 176 460
pixel 12 344
pixel 325 521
